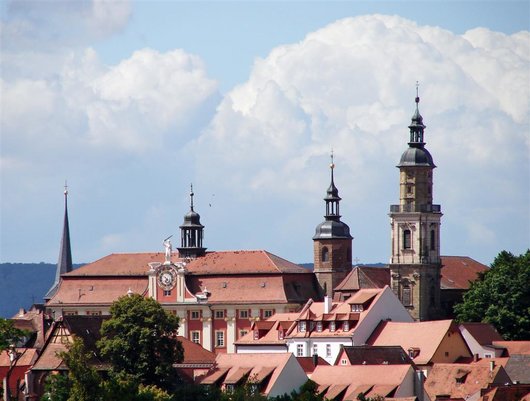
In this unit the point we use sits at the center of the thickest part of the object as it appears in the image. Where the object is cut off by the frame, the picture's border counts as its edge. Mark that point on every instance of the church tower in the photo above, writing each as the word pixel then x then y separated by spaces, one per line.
pixel 64 264
pixel 191 234
pixel 332 243
pixel 415 229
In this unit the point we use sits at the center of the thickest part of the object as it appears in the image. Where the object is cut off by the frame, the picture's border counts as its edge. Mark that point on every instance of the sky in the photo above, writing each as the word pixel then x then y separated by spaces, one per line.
pixel 131 102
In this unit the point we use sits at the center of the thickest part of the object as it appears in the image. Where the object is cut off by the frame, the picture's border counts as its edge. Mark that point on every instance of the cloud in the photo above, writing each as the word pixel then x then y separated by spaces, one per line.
pixel 350 86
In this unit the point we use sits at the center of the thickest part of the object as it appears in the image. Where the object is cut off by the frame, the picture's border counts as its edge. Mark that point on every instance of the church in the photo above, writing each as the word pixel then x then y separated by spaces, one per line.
pixel 217 295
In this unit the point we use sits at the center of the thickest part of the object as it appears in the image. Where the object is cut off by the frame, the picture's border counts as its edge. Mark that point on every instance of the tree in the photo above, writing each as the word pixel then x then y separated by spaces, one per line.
pixel 10 338
pixel 56 388
pixel 140 339
pixel 501 296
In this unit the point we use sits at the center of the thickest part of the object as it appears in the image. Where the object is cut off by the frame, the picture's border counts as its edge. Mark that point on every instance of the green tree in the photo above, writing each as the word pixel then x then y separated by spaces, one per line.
pixel 56 388
pixel 84 379
pixel 10 338
pixel 501 296
pixel 140 339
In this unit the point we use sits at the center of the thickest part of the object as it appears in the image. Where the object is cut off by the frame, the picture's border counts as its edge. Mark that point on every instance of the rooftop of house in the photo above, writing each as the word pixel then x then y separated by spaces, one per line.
pixel 348 381
pixel 457 380
pixel 376 355
pixel 26 357
pixel 518 368
pixel 261 367
pixel 458 271
pixel 517 392
pixel 364 277
pixel 195 354
pixel 483 333
pixel 514 347
pixel 424 337
pixel 308 363
pixel 219 262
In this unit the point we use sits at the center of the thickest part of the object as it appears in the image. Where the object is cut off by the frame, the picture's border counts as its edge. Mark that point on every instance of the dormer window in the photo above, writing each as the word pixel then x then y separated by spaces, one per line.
pixel 256 334
pixel 302 326
pixel 357 308
pixel 280 334
pixel 413 352
pixel 319 327
pixel 346 326
pixel 331 326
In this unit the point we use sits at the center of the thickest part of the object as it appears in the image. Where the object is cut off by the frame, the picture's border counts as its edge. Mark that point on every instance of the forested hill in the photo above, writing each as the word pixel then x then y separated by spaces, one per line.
pixel 23 284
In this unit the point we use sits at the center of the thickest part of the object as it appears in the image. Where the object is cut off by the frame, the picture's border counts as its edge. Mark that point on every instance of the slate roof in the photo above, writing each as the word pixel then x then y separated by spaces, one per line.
pixel 377 355
pixel 518 368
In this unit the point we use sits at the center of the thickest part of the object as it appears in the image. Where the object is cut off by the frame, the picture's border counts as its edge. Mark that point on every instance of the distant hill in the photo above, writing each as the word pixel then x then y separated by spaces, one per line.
pixel 23 284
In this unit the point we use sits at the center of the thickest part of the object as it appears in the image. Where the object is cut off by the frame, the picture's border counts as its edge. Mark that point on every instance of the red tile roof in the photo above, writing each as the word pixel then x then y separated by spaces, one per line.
pixel 483 333
pixel 457 380
pixel 119 264
pixel 85 290
pixel 365 277
pixel 427 336
pixel 194 353
pixel 26 357
pixel 458 271
pixel 307 363
pixel 514 347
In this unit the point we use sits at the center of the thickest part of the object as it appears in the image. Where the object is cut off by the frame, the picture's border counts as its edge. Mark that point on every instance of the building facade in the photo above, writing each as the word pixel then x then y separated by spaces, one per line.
pixel 415 262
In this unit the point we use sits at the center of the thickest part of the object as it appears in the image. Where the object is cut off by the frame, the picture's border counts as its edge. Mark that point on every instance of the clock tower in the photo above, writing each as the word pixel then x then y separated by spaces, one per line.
pixel 415 229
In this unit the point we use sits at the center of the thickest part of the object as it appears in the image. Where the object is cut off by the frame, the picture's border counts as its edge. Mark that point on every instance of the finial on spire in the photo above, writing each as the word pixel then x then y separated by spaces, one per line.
pixel 332 165
pixel 191 196
pixel 65 187
pixel 417 92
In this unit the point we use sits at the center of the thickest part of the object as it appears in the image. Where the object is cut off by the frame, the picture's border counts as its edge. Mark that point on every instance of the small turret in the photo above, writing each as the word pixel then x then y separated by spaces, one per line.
pixel 191 233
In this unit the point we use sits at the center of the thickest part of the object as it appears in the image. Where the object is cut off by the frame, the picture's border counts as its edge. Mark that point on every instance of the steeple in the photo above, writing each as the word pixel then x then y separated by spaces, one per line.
pixel 191 232
pixel 415 228
pixel 332 242
pixel 64 264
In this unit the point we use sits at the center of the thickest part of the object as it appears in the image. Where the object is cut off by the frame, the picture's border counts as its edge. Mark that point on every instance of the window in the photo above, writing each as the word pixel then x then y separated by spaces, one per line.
pixel 315 349
pixel 433 242
pixel 230 388
pixel 299 349
pixel 267 313
pixel 196 337
pixel 487 355
pixel 280 334
pixel 343 361
pixel 328 350
pixel 319 326
pixel 406 296
pixel 357 308
pixel 325 254
pixel 195 314
pixel 346 326
pixel 93 312
pixel 167 293
pixel 406 239
pixel 220 339
pixel 331 326
pixel 256 335
pixel 70 313
pixel 243 313
pixel 301 326
pixel 219 314
pixel 409 189
pixel 242 333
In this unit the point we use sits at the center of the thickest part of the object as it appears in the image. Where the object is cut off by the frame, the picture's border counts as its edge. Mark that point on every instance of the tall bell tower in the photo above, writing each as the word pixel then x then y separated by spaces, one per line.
pixel 332 243
pixel 415 229
pixel 191 234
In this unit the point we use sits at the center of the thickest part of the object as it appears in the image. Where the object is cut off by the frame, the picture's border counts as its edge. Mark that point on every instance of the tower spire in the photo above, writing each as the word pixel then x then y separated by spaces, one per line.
pixel 64 264
pixel 191 197
pixel 191 233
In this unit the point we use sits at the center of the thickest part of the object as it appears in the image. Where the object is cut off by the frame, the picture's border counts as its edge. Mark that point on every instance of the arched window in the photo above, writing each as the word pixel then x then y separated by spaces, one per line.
pixel 406 295
pixel 433 240
pixel 325 254
pixel 406 239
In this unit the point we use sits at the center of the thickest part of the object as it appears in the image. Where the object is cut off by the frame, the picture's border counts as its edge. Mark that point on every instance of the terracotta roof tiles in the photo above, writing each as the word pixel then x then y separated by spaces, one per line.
pixel 458 271
pixel 514 347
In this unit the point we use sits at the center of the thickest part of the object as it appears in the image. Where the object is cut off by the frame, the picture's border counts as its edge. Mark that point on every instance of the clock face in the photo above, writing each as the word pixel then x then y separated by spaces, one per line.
pixel 167 278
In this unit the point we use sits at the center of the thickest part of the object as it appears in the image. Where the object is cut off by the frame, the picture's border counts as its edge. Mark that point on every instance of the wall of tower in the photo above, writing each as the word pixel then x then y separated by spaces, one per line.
pixel 415 185
pixel 418 288
pixel 331 271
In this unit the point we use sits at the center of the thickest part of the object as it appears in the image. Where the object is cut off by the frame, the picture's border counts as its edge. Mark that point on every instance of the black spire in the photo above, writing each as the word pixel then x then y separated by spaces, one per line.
pixel 416 126
pixel 64 264
pixel 191 233
pixel 332 227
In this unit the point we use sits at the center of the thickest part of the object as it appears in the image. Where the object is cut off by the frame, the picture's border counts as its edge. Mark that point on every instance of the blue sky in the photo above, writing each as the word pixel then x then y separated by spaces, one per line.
pixel 131 102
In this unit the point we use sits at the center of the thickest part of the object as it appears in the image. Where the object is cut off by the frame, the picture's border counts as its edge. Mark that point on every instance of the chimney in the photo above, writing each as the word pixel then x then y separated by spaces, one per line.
pixel 327 304
pixel 21 312
pixel 492 366
pixel 315 360
pixel 475 358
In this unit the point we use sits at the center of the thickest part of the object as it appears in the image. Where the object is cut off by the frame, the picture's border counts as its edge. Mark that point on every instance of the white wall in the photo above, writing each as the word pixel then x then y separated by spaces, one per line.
pixel 321 342
pixel 291 378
